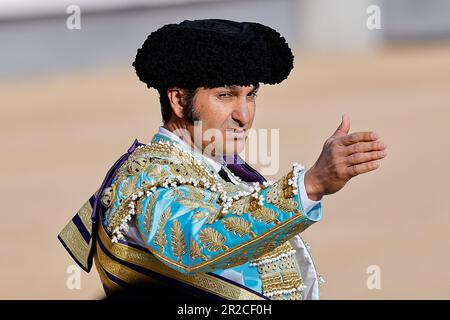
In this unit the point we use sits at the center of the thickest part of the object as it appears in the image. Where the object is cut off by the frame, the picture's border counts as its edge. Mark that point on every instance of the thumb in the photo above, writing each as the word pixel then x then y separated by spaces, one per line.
pixel 343 128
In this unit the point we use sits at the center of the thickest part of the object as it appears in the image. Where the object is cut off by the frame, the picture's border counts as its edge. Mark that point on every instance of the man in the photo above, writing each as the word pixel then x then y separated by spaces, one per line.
pixel 187 216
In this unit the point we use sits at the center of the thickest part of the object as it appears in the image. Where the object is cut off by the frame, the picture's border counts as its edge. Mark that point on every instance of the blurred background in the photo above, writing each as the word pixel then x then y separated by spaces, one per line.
pixel 71 104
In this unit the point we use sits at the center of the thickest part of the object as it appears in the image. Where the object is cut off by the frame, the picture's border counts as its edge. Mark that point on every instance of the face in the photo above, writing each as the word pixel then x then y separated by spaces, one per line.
pixel 226 115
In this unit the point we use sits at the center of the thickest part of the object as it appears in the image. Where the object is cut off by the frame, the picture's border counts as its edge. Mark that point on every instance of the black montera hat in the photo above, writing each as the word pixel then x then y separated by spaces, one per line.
pixel 213 53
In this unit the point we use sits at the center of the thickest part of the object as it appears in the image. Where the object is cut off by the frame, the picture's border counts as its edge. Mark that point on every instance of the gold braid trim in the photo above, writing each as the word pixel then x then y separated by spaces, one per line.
pixel 148 261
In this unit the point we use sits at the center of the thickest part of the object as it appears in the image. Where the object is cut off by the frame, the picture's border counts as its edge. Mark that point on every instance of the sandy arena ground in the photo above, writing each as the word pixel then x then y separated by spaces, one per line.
pixel 61 133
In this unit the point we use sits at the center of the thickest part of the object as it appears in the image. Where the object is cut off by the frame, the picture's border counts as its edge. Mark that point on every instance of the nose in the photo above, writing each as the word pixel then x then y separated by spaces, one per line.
pixel 241 112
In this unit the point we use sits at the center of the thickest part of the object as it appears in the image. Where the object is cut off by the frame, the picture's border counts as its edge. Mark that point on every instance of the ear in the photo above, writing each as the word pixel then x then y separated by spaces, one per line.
pixel 175 96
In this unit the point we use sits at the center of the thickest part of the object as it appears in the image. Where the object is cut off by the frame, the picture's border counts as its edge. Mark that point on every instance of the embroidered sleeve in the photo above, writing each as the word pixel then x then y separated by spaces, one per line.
pixel 194 225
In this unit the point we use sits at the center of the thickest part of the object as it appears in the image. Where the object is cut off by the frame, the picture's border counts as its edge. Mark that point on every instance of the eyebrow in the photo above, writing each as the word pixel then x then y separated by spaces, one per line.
pixel 235 88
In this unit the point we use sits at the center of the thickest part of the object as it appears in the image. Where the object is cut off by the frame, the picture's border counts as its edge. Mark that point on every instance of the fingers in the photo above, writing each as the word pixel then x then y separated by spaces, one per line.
pixel 358 137
pixel 361 147
pixel 357 158
pixel 343 128
pixel 363 168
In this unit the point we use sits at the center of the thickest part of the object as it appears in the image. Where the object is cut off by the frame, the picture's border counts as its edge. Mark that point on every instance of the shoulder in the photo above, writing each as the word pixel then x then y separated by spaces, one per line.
pixel 151 166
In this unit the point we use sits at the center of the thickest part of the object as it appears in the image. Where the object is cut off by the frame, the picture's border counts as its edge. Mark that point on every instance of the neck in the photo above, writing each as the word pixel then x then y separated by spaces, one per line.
pixel 182 132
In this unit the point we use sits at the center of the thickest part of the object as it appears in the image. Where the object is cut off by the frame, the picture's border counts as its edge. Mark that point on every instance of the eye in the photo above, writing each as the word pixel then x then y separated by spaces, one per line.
pixel 253 94
pixel 225 94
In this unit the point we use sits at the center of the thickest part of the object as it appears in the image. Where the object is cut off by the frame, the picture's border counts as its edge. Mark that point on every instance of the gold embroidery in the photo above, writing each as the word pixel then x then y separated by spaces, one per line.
pixel 175 159
pixel 291 279
pixel 199 215
pixel 138 165
pixel 116 216
pixel 121 176
pixel 164 154
pixel 213 197
pixel 120 271
pixel 244 205
pixel 280 274
pixel 196 251
pixel 264 249
pixel 213 217
pixel 127 187
pixel 231 188
pixel 297 295
pixel 178 169
pixel 160 237
pixel 148 261
pixel 270 282
pixel 139 210
pixel 85 214
pixel 177 193
pixel 112 286
pixel 288 205
pixel 154 170
pixel 75 242
pixel 107 196
pixel 238 226
pixel 266 215
pixel 299 227
pixel 178 243
pixel 276 196
pixel 281 194
pixel 212 239
pixel 236 260
pixel 164 174
pixel 278 250
pixel 250 247
pixel 193 204
pixel 149 213
pixel 195 194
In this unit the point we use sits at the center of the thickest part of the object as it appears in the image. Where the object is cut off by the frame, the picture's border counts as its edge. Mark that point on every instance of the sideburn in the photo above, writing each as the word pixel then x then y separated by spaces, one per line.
pixel 191 112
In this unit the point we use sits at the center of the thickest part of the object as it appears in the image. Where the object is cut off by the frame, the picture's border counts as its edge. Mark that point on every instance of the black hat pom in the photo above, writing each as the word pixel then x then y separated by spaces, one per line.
pixel 213 53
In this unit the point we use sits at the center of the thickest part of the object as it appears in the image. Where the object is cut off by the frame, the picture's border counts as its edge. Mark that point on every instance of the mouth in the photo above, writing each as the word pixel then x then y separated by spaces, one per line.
pixel 237 133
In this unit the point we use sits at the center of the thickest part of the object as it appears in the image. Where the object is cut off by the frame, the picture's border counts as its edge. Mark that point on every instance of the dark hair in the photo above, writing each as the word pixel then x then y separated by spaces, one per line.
pixel 187 101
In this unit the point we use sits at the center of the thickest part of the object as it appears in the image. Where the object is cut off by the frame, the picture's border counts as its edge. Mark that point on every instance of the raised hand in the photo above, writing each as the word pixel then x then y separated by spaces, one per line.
pixel 343 157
